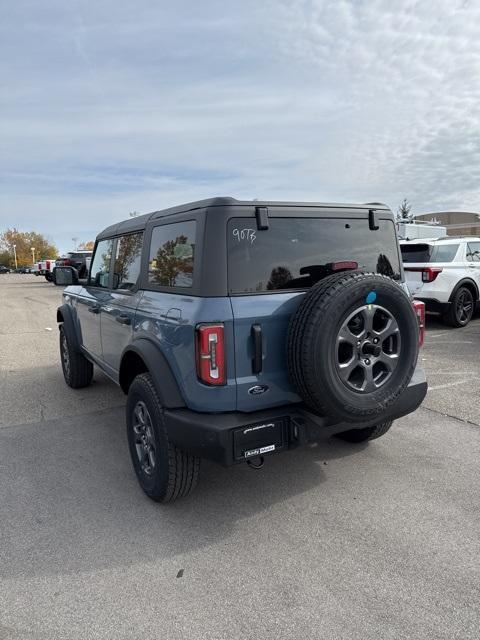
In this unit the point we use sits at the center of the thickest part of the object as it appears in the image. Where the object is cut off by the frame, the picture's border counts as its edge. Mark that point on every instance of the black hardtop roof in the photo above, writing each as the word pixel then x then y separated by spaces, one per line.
pixel 139 222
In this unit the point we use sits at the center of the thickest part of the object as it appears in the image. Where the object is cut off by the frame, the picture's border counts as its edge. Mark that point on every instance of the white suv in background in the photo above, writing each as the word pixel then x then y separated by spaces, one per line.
pixel 444 274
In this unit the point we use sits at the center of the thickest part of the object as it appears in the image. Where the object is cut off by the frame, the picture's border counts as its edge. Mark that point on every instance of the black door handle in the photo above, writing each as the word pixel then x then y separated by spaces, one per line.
pixel 256 333
pixel 123 319
pixel 94 309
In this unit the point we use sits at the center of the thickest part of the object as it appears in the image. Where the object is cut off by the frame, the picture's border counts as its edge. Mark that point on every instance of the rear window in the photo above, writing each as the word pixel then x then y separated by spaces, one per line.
pixel 295 253
pixel 429 252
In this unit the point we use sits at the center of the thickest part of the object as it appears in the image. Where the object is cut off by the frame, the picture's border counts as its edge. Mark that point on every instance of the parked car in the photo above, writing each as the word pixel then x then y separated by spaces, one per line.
pixel 241 329
pixel 44 268
pixel 4 269
pixel 445 275
pixel 80 260
pixel 23 270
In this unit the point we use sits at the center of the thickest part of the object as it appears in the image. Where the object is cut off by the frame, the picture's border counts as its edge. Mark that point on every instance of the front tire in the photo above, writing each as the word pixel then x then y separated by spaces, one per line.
pixel 164 471
pixel 364 435
pixel 461 308
pixel 77 370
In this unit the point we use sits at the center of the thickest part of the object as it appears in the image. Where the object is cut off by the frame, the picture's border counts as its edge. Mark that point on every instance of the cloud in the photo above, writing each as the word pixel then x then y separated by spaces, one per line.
pixel 111 107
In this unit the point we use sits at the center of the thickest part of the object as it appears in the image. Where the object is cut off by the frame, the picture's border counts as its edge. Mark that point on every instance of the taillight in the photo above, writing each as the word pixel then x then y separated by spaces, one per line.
pixel 342 266
pixel 430 274
pixel 419 308
pixel 48 265
pixel 211 353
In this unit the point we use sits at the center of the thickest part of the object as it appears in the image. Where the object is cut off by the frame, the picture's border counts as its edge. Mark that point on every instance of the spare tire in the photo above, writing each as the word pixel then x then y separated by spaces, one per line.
pixel 353 345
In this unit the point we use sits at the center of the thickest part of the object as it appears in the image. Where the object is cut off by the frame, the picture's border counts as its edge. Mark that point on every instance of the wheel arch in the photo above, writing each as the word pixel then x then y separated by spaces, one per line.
pixel 143 356
pixel 66 318
pixel 469 284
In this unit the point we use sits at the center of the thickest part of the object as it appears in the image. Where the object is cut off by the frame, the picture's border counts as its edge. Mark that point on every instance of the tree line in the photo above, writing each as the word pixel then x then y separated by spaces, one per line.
pixel 22 242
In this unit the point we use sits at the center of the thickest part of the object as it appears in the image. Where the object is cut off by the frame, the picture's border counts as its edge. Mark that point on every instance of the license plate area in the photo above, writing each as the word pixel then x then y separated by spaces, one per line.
pixel 259 439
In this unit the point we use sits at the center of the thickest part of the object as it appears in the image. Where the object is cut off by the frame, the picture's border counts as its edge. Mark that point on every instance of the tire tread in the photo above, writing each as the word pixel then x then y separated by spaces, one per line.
pixel 183 467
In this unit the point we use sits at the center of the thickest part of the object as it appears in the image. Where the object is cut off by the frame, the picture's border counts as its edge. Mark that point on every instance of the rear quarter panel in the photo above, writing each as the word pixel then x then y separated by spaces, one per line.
pixel 169 321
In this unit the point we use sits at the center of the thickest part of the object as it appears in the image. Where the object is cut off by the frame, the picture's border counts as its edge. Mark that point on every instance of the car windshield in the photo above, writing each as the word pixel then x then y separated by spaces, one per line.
pixel 295 253
pixel 424 252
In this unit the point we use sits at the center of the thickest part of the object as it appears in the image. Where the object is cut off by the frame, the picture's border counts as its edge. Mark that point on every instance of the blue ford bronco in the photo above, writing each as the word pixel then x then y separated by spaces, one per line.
pixel 238 330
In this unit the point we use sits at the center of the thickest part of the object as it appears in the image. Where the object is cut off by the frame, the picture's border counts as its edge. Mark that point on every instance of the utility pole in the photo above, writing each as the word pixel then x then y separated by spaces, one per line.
pixel 33 254
pixel 74 240
pixel 15 255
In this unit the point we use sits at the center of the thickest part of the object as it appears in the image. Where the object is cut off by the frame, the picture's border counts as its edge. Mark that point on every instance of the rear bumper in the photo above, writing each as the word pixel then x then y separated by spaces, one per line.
pixel 220 436
pixel 433 305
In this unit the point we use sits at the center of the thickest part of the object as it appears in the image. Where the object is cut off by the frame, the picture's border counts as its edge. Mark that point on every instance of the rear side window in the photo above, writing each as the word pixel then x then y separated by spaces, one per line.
pixel 127 261
pixel 444 252
pixel 172 253
pixel 100 269
pixel 473 252
pixel 428 252
pixel 295 253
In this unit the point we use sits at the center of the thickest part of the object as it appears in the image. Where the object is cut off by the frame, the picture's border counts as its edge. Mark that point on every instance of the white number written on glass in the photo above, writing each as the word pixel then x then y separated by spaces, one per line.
pixel 245 234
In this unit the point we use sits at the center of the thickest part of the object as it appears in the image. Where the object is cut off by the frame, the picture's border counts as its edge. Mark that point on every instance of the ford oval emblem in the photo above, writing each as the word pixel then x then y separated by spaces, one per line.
pixel 258 389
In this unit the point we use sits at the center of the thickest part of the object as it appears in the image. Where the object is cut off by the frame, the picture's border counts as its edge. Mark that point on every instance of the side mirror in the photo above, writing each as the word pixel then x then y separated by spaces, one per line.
pixel 64 276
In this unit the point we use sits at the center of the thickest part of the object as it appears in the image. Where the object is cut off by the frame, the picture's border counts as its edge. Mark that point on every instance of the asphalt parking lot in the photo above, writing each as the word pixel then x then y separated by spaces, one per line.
pixel 332 541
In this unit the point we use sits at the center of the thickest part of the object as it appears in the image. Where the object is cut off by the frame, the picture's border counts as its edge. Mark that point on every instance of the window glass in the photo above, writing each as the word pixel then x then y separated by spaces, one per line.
pixel 428 252
pixel 100 270
pixel 172 253
pixel 473 252
pixel 444 252
pixel 127 261
pixel 416 252
pixel 295 253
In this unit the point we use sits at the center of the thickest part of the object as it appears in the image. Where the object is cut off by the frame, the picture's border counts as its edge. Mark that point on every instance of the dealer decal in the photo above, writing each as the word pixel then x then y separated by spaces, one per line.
pixel 258 452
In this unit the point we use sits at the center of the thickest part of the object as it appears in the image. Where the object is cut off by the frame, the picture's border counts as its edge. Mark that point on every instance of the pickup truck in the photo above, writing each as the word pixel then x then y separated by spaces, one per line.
pixel 44 268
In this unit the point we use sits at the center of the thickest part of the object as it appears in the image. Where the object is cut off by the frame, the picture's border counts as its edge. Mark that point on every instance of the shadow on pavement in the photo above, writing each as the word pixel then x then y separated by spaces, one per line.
pixel 70 501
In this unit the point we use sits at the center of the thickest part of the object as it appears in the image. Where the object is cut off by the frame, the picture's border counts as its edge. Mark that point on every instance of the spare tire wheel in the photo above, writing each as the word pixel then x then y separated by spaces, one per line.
pixel 353 345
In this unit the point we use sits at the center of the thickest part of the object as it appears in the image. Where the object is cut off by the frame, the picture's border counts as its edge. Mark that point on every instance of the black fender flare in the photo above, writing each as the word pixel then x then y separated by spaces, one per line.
pixel 465 281
pixel 67 317
pixel 158 367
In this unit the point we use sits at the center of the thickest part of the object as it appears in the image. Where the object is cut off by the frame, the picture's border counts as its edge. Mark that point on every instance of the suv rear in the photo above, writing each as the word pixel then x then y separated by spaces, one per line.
pixel 445 275
pixel 241 329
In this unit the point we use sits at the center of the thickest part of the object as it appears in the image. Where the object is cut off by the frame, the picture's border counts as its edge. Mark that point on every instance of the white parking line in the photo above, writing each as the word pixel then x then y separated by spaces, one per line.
pixel 447 385
pixel 455 373
pixel 458 342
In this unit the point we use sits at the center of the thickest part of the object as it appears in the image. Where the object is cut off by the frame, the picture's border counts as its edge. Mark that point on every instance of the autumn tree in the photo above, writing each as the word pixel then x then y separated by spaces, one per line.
pixel 24 241
pixel 86 246
pixel 129 251
pixel 174 259
pixel 7 259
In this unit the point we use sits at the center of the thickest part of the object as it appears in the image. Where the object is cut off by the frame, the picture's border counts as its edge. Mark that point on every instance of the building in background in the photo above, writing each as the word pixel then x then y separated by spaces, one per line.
pixel 458 223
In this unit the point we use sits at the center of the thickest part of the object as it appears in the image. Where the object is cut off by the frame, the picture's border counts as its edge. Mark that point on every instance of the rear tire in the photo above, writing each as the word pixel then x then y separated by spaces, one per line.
pixel 164 471
pixel 364 435
pixel 77 370
pixel 461 308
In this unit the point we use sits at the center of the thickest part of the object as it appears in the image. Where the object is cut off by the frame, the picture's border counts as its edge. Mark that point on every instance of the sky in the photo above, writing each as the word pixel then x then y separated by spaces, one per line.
pixel 109 107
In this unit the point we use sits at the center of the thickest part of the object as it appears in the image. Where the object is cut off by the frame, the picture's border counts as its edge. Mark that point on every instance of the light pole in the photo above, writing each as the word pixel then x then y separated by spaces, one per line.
pixel 15 255
pixel 74 240
pixel 33 254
